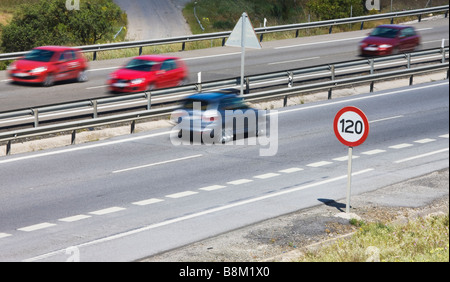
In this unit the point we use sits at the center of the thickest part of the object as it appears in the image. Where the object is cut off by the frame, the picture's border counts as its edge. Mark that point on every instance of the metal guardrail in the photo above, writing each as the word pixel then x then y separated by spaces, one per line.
pixel 261 31
pixel 73 127
pixel 94 107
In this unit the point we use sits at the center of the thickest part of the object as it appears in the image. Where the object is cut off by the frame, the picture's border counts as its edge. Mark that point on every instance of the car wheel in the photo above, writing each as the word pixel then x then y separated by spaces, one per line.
pixel 151 87
pixel 183 82
pixel 49 80
pixel 82 76
pixel 226 136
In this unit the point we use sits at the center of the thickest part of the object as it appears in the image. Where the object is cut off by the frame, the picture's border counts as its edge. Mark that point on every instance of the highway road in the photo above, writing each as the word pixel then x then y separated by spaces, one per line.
pixel 216 63
pixel 134 196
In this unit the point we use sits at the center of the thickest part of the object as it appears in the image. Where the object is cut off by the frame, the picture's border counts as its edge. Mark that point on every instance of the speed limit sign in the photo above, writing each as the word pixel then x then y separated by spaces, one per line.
pixel 351 126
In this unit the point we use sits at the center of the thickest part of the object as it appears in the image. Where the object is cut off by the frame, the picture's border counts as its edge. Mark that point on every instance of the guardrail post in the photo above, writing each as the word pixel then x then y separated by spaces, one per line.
pixel 73 137
pixel 95 56
pixel 330 30
pixel 261 37
pixel 372 65
pixel 183 46
pixel 411 78
pixel 443 50
pixel 94 108
pixel 290 79
pixel 247 85
pixel 362 26
pixel 36 117
pixel 392 20
pixel 148 95
pixel 408 58
pixel 420 18
pixel 133 127
pixel 333 72
pixel 8 148
pixel 140 50
pixel 371 86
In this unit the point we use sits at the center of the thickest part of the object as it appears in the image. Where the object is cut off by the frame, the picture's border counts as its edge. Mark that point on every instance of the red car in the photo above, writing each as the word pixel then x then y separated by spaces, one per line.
pixel 149 72
pixel 49 64
pixel 389 39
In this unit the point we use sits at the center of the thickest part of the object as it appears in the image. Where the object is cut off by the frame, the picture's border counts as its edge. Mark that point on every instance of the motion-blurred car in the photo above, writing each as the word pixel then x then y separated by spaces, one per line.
pixel 147 73
pixel 389 39
pixel 219 117
pixel 49 64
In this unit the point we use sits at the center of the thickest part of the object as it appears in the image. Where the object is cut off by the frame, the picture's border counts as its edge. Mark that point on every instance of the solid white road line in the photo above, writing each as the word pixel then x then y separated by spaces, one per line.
pixel 299 60
pixel 444 136
pixel 383 119
pixel 421 156
pixel 107 211
pixel 81 148
pixel 321 42
pixel 156 164
pixel 199 214
pixel 36 227
pixel 408 90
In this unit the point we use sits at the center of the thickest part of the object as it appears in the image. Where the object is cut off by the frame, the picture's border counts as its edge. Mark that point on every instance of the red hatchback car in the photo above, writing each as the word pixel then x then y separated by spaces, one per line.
pixel 149 72
pixel 390 39
pixel 49 64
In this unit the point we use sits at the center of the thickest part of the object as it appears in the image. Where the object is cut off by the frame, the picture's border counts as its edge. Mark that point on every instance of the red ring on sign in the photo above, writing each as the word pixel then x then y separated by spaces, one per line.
pixel 365 121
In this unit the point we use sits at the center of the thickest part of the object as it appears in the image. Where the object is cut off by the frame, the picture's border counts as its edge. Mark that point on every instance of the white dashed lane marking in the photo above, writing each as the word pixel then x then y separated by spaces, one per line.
pixel 212 188
pixel 266 176
pixel 147 202
pixel 4 235
pixel 424 141
pixel 181 194
pixel 319 164
pixel 291 170
pixel 75 218
pixel 373 152
pixel 401 146
pixel 240 181
pixel 36 227
pixel 344 158
pixel 107 211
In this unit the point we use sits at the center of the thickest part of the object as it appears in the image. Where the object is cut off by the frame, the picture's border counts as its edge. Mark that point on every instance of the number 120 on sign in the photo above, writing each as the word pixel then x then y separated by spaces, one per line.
pixel 351 126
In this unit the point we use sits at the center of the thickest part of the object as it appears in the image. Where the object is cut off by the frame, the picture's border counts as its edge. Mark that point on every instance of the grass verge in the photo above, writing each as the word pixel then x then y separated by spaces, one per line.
pixel 424 239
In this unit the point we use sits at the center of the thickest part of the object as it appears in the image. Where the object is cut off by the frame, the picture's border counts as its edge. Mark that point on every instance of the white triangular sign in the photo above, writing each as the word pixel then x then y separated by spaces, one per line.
pixel 247 39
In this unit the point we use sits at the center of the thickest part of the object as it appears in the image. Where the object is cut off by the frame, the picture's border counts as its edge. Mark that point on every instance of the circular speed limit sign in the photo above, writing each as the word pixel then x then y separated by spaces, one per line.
pixel 351 126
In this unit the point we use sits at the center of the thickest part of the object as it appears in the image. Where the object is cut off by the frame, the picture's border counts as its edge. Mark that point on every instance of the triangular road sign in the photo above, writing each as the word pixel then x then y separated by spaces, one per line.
pixel 243 35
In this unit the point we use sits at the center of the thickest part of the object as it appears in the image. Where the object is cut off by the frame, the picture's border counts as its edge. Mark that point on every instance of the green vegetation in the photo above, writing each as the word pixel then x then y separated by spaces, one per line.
pixel 420 240
pixel 49 22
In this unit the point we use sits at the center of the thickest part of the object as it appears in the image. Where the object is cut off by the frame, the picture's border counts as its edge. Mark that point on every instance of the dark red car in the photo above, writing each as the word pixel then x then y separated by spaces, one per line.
pixel 149 72
pixel 49 64
pixel 389 39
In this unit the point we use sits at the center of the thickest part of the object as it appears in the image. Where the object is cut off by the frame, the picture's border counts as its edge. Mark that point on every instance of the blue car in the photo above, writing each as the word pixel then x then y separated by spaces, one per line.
pixel 217 117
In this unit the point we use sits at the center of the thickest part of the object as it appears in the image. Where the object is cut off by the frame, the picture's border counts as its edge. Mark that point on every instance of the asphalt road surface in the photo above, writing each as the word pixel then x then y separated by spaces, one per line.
pixel 215 64
pixel 153 19
pixel 135 196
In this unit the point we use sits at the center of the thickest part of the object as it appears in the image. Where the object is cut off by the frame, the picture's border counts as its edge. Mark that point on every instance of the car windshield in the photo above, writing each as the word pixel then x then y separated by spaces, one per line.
pixel 39 55
pixel 140 65
pixel 194 104
pixel 385 32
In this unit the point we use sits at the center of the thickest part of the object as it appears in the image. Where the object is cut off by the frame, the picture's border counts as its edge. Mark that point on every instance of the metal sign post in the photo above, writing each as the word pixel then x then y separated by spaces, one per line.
pixel 351 127
pixel 244 36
